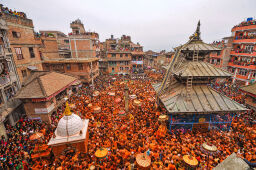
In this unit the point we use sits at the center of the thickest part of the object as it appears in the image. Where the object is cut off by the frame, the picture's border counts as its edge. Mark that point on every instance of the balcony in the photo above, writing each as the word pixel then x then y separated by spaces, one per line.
pixel 118 59
pixel 242 65
pixel 245 39
pixel 244 27
pixel 5 79
pixel 242 53
pixel 215 55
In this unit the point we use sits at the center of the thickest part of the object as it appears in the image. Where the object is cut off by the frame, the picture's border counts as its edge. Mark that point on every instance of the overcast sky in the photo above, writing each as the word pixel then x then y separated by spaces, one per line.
pixel 155 24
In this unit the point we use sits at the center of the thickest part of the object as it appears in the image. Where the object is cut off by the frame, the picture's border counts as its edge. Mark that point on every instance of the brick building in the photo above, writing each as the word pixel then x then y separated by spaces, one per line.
pixel 83 44
pixel 43 92
pixel 150 59
pixel 10 108
pixel 74 54
pixel 121 56
pixel 221 59
pixel 24 44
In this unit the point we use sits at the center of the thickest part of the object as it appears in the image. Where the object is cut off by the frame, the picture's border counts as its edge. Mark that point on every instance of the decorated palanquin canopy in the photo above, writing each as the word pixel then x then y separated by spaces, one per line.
pixel 185 87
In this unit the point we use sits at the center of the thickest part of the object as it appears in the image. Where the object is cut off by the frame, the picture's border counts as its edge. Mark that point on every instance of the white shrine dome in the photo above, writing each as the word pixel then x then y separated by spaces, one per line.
pixel 69 125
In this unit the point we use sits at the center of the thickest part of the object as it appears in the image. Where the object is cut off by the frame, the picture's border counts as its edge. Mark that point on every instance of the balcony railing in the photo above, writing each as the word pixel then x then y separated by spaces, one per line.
pixel 244 65
pixel 243 52
pixel 4 80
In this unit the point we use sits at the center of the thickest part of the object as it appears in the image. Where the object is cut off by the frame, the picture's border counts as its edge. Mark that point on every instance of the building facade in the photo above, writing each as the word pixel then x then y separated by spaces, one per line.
pixel 151 59
pixel 121 56
pixel 43 92
pixel 238 54
pixel 75 54
pixel 10 108
pixel 243 55
pixel 24 44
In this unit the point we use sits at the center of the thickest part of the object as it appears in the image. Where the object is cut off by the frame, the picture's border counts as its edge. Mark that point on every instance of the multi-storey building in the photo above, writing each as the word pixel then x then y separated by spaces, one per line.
pixel 121 56
pixel 137 58
pixel 151 59
pixel 83 44
pixel 10 108
pixel 75 54
pixel 24 44
pixel 238 54
pixel 221 58
pixel 243 55
pixel 157 60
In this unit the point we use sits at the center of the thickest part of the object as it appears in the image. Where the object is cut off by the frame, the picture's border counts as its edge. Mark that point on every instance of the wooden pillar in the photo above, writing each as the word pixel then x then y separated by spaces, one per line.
pixel 126 98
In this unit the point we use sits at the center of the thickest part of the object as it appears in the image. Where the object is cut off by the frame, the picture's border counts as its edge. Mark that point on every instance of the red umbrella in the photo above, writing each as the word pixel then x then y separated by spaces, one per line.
pixel 118 100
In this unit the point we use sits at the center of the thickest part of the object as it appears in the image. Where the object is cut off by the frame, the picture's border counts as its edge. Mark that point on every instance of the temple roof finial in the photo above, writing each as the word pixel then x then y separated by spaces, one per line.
pixel 197 33
pixel 67 111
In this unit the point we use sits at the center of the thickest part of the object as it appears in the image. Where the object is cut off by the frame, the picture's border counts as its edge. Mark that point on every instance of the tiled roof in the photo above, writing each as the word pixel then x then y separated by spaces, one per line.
pixel 200 69
pixel 250 88
pixel 203 100
pixel 42 84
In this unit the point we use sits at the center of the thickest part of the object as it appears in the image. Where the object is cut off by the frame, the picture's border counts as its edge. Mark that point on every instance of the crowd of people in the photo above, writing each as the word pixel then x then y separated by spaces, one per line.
pixel 250 21
pixel 6 10
pixel 126 136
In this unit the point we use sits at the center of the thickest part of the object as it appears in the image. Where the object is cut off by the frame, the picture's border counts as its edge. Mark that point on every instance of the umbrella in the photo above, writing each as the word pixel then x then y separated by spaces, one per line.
pixel 72 106
pixel 117 100
pixel 162 118
pixel 111 93
pixel 133 96
pixel 137 102
pixel 190 160
pixel 121 113
pixel 101 153
pixel 209 147
pixel 36 136
pixel 143 160
pixel 97 109
pixel 92 167
pixel 96 93
pixel 151 99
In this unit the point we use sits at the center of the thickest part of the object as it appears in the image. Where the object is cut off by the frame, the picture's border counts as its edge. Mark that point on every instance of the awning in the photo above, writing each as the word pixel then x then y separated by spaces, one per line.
pixel 32 68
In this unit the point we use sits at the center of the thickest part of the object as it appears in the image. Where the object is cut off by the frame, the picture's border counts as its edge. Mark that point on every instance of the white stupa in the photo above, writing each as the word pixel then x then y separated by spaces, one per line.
pixel 71 130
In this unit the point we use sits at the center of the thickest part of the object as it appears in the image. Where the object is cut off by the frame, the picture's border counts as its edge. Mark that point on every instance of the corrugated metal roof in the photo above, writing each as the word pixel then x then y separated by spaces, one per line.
pixel 200 46
pixel 204 99
pixel 200 69
pixel 250 88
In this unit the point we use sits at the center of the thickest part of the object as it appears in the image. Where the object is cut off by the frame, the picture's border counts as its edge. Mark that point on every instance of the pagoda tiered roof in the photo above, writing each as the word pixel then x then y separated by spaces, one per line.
pixel 199 46
pixel 185 88
pixel 200 69
pixel 203 100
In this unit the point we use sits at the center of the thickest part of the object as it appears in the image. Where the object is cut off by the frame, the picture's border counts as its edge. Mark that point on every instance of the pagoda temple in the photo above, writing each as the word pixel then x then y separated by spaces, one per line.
pixel 185 90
